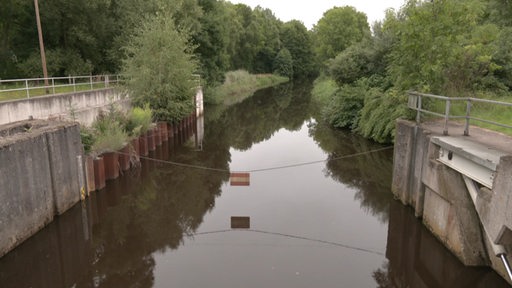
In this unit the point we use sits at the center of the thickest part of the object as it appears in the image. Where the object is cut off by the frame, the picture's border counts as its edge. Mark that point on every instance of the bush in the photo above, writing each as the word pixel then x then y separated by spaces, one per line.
pixel 283 64
pixel 107 133
pixel 378 116
pixel 87 137
pixel 139 120
pixel 344 109
pixel 111 138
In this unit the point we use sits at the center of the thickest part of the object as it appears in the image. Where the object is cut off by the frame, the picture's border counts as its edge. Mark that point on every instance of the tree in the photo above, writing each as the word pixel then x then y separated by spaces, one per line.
pixel 339 28
pixel 17 38
pixel 353 63
pixel 436 50
pixel 159 68
pixel 296 38
pixel 212 41
pixel 283 64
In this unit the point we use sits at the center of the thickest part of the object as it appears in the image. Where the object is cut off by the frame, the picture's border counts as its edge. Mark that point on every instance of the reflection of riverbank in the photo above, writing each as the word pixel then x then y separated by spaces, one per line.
pixel 107 240
pixel 369 173
pixel 418 259
pixel 43 260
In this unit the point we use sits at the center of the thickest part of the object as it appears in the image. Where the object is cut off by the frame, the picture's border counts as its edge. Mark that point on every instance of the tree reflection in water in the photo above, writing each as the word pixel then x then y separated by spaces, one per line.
pixel 109 241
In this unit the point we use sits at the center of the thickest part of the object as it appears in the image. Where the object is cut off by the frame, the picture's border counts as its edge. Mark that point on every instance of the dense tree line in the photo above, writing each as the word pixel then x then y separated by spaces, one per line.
pixel 83 37
pixel 446 47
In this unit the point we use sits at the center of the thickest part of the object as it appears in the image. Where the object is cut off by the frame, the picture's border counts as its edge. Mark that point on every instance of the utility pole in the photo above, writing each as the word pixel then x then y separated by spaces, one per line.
pixel 41 47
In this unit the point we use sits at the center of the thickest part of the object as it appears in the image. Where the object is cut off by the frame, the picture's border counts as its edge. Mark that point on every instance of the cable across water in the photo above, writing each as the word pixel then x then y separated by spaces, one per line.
pixel 262 169
pixel 293 237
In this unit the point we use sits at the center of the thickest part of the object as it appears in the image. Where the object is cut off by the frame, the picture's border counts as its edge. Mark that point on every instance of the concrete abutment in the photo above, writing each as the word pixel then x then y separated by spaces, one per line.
pixel 438 193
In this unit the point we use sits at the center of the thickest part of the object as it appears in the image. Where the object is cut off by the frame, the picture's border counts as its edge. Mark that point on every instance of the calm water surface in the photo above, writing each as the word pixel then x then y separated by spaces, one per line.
pixel 318 211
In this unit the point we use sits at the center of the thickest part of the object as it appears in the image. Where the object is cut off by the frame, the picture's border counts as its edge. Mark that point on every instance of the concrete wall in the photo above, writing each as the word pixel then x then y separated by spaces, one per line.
pixel 38 176
pixel 82 106
pixel 440 198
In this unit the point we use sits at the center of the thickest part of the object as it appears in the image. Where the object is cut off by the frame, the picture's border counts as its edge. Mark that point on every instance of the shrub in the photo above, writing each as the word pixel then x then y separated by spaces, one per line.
pixel 112 137
pixel 139 120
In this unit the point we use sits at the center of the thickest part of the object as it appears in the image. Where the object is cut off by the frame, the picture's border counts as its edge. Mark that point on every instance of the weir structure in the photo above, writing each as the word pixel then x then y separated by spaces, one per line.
pixel 459 183
pixel 42 162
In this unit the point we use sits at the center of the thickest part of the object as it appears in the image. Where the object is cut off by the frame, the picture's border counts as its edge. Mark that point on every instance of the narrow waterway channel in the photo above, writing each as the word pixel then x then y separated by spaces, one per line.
pixel 317 212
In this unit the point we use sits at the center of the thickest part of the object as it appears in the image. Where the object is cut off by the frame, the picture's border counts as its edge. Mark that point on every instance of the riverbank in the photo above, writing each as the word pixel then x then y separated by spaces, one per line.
pixel 239 85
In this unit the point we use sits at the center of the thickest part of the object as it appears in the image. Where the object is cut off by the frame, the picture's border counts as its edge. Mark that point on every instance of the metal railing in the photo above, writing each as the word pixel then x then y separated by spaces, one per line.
pixel 32 87
pixel 415 102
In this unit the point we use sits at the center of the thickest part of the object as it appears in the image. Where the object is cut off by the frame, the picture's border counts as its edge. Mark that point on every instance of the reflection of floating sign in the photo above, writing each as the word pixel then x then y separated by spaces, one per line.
pixel 240 179
pixel 240 222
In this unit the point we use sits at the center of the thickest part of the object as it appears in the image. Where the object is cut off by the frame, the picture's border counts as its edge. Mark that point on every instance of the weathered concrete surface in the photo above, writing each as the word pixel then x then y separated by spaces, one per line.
pixel 38 176
pixel 80 106
pixel 439 195
pixel 450 214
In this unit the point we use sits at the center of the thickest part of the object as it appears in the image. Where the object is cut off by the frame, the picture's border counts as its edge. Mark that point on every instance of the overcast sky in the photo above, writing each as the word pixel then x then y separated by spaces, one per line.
pixel 310 11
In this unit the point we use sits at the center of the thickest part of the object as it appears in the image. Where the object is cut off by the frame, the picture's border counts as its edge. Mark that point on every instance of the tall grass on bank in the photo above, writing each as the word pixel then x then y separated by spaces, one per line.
pixel 323 90
pixel 239 85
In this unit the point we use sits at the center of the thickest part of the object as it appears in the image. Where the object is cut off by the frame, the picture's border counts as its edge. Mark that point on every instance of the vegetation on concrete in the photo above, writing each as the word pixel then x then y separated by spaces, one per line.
pixel 113 129
pixel 139 120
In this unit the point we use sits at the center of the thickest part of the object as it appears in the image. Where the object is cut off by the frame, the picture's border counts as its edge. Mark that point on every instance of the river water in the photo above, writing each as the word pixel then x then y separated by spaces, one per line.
pixel 317 212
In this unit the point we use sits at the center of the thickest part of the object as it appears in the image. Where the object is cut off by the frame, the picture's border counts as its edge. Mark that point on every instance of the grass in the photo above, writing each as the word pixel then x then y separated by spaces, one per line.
pixel 36 92
pixel 239 85
pixel 323 90
pixel 486 111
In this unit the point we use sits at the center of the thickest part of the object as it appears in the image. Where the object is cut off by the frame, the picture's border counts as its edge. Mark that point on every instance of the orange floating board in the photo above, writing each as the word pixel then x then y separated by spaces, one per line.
pixel 240 222
pixel 239 179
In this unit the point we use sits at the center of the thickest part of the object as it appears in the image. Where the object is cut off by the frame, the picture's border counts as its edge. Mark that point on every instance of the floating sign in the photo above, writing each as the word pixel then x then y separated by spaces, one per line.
pixel 240 222
pixel 240 179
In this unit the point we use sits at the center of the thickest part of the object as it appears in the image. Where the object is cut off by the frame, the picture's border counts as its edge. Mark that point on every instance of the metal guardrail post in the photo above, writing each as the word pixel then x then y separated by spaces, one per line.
pixel 90 78
pixel 468 117
pixel 418 114
pixel 26 87
pixel 53 86
pixel 446 117
pixel 74 84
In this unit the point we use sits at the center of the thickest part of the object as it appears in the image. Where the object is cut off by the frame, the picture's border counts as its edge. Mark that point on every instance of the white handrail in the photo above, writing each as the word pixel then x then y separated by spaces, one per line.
pixel 30 84
pixel 415 103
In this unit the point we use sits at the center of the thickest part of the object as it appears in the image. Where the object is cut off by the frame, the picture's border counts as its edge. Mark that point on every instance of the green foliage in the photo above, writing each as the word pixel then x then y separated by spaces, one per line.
pixel 87 137
pixel 283 64
pixel 213 40
pixel 239 85
pixel 111 138
pixel 353 63
pixel 139 120
pixel 324 90
pixel 60 62
pixel 159 69
pixel 500 12
pixel 296 39
pixel 440 48
pixel 344 108
pixel 379 114
pixel 503 57
pixel 108 131
pixel 339 28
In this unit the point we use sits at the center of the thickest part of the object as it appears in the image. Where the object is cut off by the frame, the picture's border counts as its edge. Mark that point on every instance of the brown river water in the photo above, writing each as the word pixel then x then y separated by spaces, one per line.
pixel 317 212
